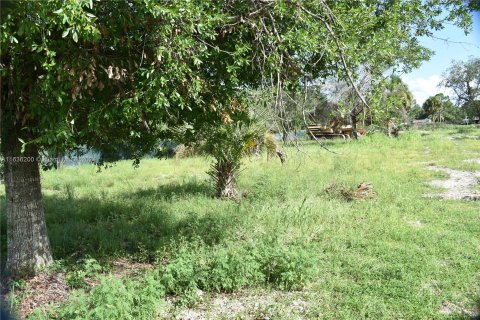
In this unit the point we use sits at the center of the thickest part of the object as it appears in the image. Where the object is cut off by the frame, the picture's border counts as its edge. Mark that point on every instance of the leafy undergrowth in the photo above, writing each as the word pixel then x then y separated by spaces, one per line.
pixel 191 268
pixel 396 254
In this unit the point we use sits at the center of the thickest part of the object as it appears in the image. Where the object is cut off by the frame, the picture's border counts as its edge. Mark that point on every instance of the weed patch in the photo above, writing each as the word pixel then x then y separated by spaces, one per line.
pixel 231 267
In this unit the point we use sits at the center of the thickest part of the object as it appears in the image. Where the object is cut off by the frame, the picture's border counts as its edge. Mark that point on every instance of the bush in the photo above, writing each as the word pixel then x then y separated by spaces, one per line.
pixel 182 151
pixel 180 276
pixel 230 268
pixel 233 268
pixel 192 267
pixel 87 268
pixel 288 268
pixel 113 299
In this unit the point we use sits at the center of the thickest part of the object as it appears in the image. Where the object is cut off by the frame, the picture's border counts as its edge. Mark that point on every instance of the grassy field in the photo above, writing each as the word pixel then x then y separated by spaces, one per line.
pixel 399 255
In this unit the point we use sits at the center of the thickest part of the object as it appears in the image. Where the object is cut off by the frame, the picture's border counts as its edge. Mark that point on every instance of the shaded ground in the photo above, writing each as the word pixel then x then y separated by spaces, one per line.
pixel 43 290
pixel 51 288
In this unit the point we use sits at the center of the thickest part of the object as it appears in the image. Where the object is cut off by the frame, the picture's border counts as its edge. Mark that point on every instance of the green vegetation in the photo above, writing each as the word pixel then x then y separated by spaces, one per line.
pixel 397 255
pixel 463 77
pixel 124 77
pixel 439 108
pixel 131 73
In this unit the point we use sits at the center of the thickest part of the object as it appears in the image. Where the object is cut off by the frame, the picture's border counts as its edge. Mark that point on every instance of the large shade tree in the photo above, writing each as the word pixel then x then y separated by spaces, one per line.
pixel 463 78
pixel 85 72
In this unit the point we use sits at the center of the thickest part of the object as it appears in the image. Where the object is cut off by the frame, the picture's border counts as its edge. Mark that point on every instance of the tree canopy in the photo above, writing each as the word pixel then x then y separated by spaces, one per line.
pixel 126 68
pixel 463 77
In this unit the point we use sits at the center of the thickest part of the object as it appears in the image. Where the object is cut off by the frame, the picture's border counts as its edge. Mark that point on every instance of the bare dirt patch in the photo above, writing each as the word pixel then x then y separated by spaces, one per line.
pixel 459 186
pixel 449 308
pixel 244 305
pixel 416 223
pixel 473 160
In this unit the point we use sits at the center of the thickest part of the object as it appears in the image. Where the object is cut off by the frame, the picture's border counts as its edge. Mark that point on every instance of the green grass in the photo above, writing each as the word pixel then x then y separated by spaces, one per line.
pixel 399 255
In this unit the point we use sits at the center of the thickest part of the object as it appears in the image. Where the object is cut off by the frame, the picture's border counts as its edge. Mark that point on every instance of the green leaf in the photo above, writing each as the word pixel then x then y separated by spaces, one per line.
pixel 23 144
pixel 197 61
pixel 65 33
pixel 75 36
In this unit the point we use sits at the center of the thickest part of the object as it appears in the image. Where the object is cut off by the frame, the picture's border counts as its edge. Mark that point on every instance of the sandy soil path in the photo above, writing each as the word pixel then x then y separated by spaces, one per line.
pixel 460 184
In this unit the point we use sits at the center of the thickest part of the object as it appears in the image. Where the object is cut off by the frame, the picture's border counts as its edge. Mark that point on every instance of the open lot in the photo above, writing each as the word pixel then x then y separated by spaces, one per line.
pixel 152 242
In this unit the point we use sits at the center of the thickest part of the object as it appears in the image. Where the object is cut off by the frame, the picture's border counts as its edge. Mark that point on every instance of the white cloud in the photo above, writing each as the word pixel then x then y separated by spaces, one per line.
pixel 422 88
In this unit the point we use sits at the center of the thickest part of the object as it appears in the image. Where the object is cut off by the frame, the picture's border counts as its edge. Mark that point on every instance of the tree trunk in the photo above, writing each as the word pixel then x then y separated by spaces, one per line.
pixel 224 174
pixel 227 187
pixel 59 160
pixel 284 134
pixel 353 118
pixel 28 248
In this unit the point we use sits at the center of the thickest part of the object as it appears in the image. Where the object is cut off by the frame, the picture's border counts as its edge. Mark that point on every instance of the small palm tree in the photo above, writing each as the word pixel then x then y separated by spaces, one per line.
pixel 229 144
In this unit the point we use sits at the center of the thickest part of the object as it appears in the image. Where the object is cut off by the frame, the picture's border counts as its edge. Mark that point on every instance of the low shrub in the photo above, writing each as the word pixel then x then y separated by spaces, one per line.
pixel 288 268
pixel 230 268
pixel 87 268
pixel 113 298
pixel 180 275
pixel 191 268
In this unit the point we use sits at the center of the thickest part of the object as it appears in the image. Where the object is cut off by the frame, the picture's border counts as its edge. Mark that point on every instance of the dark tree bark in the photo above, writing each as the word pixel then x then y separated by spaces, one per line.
pixel 28 247
pixel 59 160
pixel 284 133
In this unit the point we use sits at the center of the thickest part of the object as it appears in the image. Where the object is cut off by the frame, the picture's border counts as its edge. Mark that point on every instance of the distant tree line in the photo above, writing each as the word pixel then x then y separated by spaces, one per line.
pixel 463 78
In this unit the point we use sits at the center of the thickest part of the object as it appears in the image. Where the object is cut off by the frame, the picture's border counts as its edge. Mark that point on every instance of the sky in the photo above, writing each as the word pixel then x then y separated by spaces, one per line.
pixel 424 81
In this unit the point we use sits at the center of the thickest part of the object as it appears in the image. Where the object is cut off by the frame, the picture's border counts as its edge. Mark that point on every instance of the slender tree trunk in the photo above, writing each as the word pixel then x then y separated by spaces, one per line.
pixel 284 134
pixel 59 160
pixel 28 248
pixel 2 175
pixel 353 118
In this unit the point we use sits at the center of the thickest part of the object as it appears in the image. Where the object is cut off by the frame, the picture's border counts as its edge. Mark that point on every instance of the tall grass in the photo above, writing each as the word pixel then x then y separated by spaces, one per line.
pixel 399 255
